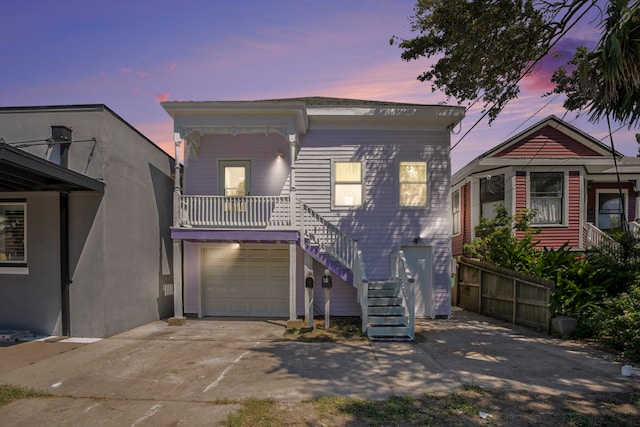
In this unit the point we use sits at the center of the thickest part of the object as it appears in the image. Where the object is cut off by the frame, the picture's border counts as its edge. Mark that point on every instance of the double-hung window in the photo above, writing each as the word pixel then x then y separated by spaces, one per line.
pixel 347 184
pixel 491 192
pixel 455 211
pixel 547 197
pixel 12 233
pixel 413 184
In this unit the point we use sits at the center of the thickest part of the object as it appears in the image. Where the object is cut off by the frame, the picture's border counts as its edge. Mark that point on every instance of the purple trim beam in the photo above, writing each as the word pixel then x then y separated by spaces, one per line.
pixel 201 235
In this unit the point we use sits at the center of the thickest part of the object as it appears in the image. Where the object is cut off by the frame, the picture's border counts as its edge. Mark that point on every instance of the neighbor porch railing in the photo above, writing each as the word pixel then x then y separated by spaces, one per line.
pixel 235 211
pixel 634 229
pixel 400 270
pixel 596 238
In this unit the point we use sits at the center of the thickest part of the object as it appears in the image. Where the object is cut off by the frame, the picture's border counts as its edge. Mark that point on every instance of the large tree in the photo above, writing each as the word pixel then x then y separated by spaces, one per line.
pixel 483 49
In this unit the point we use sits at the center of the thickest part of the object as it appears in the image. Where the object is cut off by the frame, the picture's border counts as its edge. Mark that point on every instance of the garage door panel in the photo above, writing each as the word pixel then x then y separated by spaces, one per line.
pixel 249 280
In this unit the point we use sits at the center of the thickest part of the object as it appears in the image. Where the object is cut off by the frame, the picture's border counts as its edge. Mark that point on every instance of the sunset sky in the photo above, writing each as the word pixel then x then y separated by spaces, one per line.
pixel 131 55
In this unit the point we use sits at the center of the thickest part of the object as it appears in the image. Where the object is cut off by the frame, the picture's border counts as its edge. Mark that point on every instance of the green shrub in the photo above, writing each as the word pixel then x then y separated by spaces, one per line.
pixel 617 270
pixel 617 323
pixel 497 243
pixel 576 293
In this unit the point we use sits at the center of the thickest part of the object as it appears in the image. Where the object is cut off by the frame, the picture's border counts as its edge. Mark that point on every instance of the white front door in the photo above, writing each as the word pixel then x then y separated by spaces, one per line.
pixel 420 264
pixel 610 209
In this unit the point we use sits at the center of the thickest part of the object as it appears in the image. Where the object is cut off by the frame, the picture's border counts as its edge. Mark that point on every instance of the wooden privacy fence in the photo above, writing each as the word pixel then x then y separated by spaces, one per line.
pixel 505 294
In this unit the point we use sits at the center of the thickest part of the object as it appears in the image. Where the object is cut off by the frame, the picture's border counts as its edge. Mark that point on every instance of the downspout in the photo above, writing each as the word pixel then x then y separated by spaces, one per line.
pixel 62 135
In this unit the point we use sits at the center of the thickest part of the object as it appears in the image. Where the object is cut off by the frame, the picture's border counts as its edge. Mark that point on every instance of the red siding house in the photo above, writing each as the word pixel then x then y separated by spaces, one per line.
pixel 566 176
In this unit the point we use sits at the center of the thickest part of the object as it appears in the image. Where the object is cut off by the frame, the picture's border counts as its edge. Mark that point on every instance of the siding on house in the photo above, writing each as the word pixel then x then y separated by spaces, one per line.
pixel 458 241
pixel 268 172
pixel 344 298
pixel 380 225
pixel 554 236
pixel 547 143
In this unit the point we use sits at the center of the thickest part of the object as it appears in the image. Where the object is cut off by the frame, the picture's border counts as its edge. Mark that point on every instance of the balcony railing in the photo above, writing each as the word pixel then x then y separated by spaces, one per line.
pixel 268 212
pixel 273 212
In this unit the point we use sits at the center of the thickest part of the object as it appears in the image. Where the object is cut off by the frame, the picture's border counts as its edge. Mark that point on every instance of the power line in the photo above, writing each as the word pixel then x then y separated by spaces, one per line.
pixel 528 69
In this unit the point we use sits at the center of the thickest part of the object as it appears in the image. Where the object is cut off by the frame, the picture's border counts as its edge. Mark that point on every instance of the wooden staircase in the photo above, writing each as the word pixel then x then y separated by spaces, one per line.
pixel 387 306
pixel 387 319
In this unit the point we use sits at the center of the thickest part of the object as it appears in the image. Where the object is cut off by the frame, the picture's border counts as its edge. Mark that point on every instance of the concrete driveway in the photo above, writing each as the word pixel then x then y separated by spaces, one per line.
pixel 195 374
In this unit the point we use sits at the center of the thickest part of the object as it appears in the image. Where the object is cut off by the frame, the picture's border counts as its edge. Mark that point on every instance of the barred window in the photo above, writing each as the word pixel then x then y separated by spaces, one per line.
pixel 12 233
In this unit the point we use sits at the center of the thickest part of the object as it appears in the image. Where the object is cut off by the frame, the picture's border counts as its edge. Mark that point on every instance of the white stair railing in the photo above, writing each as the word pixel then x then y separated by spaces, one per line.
pixel 328 237
pixel 634 229
pixel 400 271
pixel 361 284
pixel 596 238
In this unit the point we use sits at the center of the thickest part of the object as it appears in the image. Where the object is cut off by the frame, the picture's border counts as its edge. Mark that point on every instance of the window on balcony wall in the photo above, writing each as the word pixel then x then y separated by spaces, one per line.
pixel 491 192
pixel 413 184
pixel 455 211
pixel 347 184
pixel 610 210
pixel 546 197
pixel 234 180
pixel 12 233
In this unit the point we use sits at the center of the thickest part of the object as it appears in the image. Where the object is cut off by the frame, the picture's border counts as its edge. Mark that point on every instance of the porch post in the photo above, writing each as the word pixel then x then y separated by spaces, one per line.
pixel 178 318
pixel 292 180
pixel 292 281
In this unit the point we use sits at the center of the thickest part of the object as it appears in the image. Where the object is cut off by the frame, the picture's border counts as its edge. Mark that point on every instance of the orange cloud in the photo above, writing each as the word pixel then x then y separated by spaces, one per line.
pixel 160 132
pixel 161 97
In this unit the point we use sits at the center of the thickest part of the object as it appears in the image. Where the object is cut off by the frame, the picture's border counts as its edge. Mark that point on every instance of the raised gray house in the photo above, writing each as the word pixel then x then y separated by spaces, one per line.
pixel 276 191
pixel 85 213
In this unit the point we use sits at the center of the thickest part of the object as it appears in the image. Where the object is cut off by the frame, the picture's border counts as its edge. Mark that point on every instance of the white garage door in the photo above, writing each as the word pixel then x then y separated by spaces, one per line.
pixel 246 280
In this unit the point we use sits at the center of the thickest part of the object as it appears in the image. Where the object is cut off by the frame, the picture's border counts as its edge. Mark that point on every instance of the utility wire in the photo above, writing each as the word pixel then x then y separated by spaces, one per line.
pixel 527 70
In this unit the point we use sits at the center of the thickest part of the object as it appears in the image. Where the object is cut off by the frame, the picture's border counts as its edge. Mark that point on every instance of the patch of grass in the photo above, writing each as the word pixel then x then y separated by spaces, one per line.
pixel 462 408
pixel 394 410
pixel 340 329
pixel 9 393
pixel 457 403
pixel 255 412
